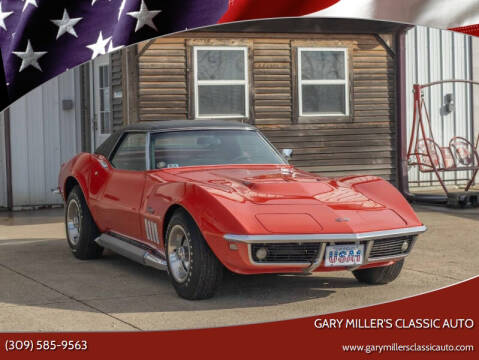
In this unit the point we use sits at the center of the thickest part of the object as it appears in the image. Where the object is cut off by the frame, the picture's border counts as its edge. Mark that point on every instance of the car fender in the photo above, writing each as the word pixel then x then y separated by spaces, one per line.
pixel 79 169
pixel 383 192
pixel 211 216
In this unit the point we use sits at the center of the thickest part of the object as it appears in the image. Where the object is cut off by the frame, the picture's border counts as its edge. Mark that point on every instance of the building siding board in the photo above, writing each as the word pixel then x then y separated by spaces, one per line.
pixel 268 81
pixel 117 90
pixel 3 165
pixel 20 153
pixel 53 136
pixel 43 136
pixel 163 81
pixel 361 143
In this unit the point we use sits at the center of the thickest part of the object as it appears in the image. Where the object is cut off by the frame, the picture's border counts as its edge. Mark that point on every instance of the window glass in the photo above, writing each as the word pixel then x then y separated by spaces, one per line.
pixel 221 82
pixel 324 98
pixel 221 65
pixel 104 92
pixel 211 147
pixel 221 100
pixel 322 65
pixel 131 154
pixel 323 83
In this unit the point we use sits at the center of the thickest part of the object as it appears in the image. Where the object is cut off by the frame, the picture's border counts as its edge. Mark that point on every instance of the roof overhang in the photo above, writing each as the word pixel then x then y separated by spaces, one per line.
pixel 310 25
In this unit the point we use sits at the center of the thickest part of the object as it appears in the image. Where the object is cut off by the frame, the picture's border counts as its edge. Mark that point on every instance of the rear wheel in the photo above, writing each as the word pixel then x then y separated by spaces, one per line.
pixel 80 228
pixel 379 275
pixel 194 270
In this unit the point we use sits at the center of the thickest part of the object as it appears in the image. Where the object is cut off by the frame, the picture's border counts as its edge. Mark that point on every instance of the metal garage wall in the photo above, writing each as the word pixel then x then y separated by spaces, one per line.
pixel 475 94
pixel 3 166
pixel 433 55
pixel 43 136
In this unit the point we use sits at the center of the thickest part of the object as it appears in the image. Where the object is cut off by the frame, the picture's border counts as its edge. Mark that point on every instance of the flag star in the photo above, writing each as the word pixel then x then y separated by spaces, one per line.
pixel 98 48
pixel 144 17
pixel 29 57
pixel 66 24
pixel 3 16
pixel 112 48
pixel 29 2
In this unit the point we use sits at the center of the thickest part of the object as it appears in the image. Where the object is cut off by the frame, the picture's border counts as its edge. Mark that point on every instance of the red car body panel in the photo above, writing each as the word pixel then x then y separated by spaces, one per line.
pixel 237 199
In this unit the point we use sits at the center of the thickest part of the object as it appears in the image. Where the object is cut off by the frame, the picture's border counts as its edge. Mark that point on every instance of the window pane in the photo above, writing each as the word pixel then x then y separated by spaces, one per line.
pixel 322 65
pixel 221 100
pixel 102 99
pixel 101 77
pixel 324 99
pixel 106 75
pixel 221 65
pixel 105 122
pixel 105 99
pixel 131 153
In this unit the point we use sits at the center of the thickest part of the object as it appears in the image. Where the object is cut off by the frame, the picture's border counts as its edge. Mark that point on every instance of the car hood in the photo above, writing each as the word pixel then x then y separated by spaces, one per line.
pixel 283 185
pixel 284 199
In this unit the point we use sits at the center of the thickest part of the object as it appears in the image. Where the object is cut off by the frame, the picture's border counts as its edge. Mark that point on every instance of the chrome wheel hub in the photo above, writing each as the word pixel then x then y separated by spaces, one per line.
pixel 179 253
pixel 73 222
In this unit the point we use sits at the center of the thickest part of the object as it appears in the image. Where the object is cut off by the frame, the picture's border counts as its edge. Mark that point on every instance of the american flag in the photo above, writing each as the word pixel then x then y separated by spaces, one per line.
pixel 40 39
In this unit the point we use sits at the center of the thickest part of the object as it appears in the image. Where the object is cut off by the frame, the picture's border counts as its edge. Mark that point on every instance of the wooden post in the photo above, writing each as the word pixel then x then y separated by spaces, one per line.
pixel 130 71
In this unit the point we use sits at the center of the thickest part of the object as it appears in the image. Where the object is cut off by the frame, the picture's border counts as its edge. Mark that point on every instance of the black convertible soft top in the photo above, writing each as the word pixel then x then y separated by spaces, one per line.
pixel 109 144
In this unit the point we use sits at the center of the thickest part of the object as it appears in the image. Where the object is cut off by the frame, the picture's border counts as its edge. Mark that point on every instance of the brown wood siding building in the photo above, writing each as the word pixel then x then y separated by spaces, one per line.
pixel 162 85
pixel 116 90
pixel 360 141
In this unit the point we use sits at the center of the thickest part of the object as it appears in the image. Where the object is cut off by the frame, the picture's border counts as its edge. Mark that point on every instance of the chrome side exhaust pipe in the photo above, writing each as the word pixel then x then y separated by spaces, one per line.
pixel 131 251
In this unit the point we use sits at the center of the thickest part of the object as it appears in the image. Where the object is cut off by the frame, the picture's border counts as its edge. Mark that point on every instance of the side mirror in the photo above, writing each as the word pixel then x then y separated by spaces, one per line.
pixel 287 153
pixel 103 161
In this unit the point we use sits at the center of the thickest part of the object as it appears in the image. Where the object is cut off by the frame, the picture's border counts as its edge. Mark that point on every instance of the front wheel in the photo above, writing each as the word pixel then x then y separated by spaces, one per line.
pixel 379 275
pixel 194 270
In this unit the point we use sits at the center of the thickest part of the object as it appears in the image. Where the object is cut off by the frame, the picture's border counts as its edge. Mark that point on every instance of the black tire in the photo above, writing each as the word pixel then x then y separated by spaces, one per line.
pixel 84 247
pixel 205 272
pixel 379 275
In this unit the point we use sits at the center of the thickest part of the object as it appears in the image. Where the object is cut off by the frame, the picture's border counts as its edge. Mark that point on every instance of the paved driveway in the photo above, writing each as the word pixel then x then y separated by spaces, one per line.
pixel 44 288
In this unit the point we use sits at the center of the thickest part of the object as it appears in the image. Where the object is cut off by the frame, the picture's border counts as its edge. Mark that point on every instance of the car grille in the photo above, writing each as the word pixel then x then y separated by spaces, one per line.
pixel 287 253
pixel 307 252
pixel 390 247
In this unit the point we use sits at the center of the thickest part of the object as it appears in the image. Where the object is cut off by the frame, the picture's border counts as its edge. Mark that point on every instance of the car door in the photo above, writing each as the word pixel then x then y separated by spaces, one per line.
pixel 123 191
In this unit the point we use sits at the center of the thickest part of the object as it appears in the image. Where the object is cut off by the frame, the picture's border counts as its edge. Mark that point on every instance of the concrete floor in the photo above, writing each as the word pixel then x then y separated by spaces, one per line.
pixel 44 288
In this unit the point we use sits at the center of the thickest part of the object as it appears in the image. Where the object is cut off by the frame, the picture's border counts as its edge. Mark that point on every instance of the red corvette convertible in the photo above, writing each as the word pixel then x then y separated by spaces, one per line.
pixel 194 197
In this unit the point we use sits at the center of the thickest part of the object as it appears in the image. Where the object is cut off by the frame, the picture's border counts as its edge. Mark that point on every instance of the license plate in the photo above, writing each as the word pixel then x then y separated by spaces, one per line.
pixel 344 255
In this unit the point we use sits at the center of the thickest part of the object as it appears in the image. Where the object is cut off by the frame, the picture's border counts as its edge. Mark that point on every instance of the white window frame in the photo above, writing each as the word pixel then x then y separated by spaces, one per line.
pixel 198 83
pixel 344 82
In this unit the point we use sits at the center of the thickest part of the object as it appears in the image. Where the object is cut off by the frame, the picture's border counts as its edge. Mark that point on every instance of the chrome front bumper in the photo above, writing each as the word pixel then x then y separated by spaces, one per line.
pixel 366 238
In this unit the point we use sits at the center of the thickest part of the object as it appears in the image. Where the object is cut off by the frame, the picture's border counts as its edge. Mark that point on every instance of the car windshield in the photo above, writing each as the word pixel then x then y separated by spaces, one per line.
pixel 211 147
